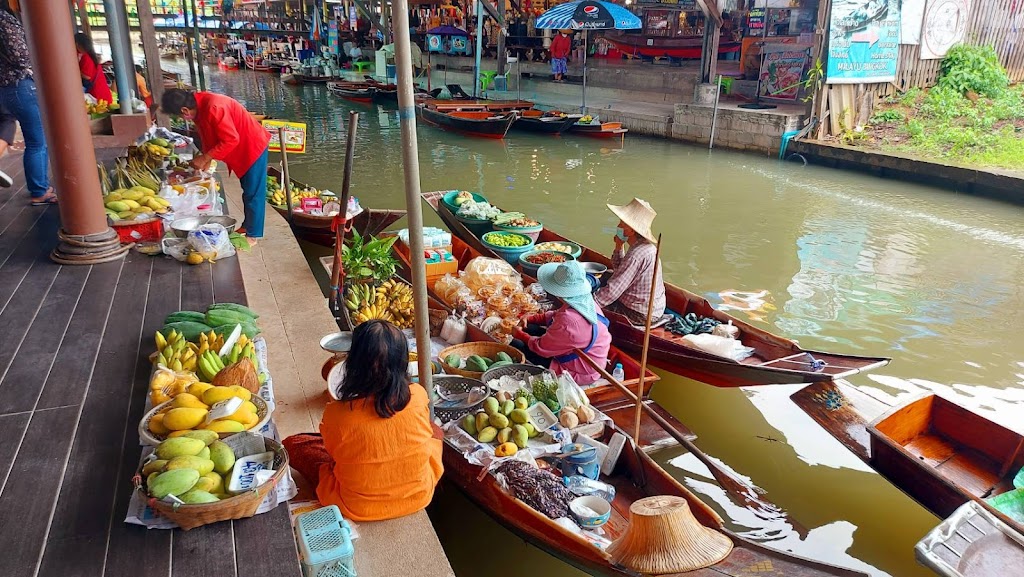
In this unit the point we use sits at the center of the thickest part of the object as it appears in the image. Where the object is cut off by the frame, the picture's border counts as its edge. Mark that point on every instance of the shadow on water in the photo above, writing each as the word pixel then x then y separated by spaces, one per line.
pixel 835 259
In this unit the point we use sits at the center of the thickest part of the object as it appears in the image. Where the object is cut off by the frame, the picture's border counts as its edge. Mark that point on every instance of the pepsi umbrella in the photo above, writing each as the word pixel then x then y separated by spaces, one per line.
pixel 588 15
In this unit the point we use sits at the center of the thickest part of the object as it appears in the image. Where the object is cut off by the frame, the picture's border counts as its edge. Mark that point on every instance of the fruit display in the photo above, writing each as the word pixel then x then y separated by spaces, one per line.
pixel 506 239
pixel 462 197
pixel 587 119
pixel 133 203
pixel 514 220
pixel 98 108
pixel 504 423
pixel 192 468
pixel 154 153
pixel 220 319
pixel 392 301
pixel 277 196
pixel 478 363
pixel 190 404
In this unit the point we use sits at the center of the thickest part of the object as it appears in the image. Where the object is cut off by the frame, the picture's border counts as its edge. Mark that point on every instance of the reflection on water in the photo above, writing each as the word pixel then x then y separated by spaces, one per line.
pixel 837 260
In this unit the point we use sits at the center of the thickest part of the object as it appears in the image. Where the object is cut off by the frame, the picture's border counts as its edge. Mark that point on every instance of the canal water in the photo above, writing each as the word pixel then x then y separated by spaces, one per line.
pixel 837 260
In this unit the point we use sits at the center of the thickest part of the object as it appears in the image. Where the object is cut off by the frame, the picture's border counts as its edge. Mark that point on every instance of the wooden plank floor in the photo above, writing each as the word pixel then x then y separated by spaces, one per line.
pixel 73 380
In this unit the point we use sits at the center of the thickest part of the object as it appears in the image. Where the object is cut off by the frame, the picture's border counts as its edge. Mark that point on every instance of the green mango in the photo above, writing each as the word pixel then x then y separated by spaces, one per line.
pixel 173 482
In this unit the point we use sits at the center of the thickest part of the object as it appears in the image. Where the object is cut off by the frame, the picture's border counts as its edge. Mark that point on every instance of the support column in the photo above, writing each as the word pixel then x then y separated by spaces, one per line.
pixel 85 237
pixel 152 52
pixel 198 45
pixel 83 17
pixel 121 51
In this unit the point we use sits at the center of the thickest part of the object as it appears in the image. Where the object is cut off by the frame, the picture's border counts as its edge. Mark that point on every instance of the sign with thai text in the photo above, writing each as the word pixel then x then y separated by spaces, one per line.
pixel 864 44
pixel 294 136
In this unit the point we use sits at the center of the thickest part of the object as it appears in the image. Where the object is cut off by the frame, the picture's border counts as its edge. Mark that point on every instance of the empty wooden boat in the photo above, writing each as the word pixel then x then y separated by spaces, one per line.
pixel 481 123
pixel 354 91
pixel 776 360
pixel 537 121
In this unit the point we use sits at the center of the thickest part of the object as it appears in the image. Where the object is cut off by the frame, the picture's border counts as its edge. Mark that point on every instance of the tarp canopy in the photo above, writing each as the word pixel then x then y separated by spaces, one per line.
pixel 448 30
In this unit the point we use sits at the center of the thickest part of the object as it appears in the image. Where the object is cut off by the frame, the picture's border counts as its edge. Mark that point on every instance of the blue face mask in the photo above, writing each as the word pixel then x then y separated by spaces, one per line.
pixel 621 234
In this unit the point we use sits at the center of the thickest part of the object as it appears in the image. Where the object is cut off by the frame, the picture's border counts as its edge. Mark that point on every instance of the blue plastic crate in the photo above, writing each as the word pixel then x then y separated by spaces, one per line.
pixel 325 543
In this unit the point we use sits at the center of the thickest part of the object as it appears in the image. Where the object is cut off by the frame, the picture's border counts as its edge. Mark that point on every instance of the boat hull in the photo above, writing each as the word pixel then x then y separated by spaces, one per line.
pixel 662 47
pixel 539 126
pixel 605 130
pixel 495 127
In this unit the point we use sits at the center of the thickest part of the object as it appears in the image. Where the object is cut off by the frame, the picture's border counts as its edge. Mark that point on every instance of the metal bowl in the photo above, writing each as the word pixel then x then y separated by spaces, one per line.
pixel 337 342
pixel 595 268
pixel 182 226
pixel 228 222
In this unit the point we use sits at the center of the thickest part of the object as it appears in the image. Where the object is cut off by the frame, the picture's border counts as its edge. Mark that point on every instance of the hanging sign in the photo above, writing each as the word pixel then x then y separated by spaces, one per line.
pixel 911 17
pixel 294 136
pixel 755 20
pixel 864 45
pixel 945 23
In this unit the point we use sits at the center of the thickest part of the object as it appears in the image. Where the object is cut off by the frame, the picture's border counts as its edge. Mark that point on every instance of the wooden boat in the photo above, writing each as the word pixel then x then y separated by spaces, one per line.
pixel 228 63
pixel 937 452
pixel 972 543
pixel 260 65
pixel 537 121
pixel 482 123
pixel 295 79
pixel 317 229
pixel 657 46
pixel 776 360
pixel 599 130
pixel 354 91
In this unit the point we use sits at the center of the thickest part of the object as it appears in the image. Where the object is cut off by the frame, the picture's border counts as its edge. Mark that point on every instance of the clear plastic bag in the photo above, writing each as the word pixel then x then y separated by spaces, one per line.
pixel 721 346
pixel 175 247
pixel 482 271
pixel 569 394
pixel 211 241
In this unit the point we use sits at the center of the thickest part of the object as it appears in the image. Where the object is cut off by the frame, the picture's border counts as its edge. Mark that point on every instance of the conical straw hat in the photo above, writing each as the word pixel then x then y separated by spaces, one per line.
pixel 639 215
pixel 664 537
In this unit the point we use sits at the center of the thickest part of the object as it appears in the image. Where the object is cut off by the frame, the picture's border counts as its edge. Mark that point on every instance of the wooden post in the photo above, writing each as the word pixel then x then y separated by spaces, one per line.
pixel 198 46
pixel 83 17
pixel 502 59
pixel 287 184
pixel 152 53
pixel 189 56
pixel 647 339
pixel 340 223
pixel 819 102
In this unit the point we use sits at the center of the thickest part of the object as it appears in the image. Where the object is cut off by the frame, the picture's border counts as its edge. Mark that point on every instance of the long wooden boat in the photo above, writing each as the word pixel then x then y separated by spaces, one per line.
pixel 317 229
pixel 937 452
pixel 260 65
pixel 533 120
pixel 354 91
pixel 599 130
pixel 972 543
pixel 776 360
pixel 639 44
pixel 483 123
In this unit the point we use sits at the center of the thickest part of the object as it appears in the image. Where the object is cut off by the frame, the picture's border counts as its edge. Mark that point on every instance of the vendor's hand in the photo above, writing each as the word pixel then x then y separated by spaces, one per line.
pixel 618 242
pixel 202 162
pixel 518 333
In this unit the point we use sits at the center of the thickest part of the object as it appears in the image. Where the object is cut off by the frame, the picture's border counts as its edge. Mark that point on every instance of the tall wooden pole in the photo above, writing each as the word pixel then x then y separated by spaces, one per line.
pixel 647 340
pixel 152 52
pixel 197 41
pixel 340 222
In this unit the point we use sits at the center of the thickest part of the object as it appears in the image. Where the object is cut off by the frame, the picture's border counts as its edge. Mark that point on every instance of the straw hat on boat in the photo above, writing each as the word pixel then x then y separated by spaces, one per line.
pixel 664 537
pixel 639 215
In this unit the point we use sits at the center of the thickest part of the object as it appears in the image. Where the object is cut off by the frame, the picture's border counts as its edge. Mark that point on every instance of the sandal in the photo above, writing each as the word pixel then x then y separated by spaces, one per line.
pixel 49 198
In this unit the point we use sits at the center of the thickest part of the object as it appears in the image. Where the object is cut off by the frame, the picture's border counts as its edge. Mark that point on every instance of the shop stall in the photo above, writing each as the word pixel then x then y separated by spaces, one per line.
pixel 673 30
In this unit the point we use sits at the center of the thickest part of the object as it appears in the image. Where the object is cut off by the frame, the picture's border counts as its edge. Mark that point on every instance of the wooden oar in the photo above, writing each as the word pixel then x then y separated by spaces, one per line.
pixel 340 224
pixel 745 492
pixel 647 338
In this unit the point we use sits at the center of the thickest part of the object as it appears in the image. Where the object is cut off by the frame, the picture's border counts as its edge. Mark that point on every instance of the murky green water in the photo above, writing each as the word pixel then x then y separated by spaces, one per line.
pixel 845 262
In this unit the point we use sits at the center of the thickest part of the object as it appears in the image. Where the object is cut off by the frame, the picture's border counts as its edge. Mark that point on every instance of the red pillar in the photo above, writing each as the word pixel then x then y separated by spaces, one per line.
pixel 85 236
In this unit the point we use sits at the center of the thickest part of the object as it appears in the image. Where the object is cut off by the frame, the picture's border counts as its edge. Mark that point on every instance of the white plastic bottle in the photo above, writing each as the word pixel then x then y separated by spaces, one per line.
pixel 619 374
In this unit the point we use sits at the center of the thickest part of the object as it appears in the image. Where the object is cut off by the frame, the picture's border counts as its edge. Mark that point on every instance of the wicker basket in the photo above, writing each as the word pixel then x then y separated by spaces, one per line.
pixel 484 349
pixel 238 507
pixel 150 438
pixel 509 370
pixel 453 384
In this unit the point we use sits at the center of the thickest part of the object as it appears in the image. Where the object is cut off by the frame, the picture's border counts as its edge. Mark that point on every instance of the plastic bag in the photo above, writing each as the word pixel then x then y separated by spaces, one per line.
pixel 175 247
pixel 1010 504
pixel 721 346
pixel 482 271
pixel 211 241
pixel 454 329
pixel 569 394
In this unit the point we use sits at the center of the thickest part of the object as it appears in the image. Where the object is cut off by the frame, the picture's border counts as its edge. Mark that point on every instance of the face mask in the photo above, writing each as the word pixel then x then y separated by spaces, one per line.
pixel 621 234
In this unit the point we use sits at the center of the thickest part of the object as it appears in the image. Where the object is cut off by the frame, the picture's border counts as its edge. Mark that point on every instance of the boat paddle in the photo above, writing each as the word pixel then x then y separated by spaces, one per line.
pixel 340 224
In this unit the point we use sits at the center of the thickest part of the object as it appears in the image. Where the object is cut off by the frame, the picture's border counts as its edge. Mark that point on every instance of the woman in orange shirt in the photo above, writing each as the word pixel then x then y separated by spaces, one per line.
pixel 377 456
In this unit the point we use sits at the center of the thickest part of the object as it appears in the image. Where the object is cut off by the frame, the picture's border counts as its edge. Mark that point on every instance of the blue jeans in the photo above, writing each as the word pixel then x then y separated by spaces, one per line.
pixel 254 195
pixel 20 100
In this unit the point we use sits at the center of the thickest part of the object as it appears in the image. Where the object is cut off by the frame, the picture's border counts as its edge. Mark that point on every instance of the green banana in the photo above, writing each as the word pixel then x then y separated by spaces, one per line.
pixel 236 351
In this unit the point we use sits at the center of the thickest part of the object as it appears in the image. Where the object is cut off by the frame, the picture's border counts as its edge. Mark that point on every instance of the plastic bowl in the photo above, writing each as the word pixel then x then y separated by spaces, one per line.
pixel 531 268
pixel 509 253
pixel 575 251
pixel 448 200
pixel 595 504
pixel 530 231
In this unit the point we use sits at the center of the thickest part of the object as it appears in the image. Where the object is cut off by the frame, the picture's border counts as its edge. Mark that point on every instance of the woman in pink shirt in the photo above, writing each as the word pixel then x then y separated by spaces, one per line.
pixel 550 339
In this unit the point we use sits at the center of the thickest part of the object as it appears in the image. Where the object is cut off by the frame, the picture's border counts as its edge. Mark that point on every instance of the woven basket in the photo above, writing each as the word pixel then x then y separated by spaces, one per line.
pixel 453 384
pixel 150 438
pixel 510 370
pixel 484 349
pixel 238 507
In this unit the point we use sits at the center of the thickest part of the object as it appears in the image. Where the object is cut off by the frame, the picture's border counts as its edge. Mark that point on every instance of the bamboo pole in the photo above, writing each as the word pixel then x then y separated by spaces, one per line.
pixel 414 206
pixel 285 176
pixel 647 338
pixel 340 222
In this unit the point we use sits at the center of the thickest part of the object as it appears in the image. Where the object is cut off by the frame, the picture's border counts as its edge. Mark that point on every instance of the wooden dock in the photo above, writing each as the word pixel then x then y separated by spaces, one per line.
pixel 73 381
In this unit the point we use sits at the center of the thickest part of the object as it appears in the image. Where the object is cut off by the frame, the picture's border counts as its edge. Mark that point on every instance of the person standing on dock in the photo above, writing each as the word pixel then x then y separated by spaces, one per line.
pixel 227 132
pixel 560 48
pixel 629 288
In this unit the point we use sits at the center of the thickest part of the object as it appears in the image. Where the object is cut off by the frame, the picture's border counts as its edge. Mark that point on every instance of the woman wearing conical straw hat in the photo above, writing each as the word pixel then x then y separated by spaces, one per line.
pixel 629 288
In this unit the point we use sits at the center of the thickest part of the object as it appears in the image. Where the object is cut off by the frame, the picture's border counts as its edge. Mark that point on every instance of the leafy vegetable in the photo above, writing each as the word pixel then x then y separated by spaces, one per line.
pixel 371 259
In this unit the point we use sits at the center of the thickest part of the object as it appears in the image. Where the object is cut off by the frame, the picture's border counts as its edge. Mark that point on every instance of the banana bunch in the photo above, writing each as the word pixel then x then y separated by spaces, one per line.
pixel 210 364
pixel 398 297
pixel 392 301
pixel 211 341
pixel 153 149
pixel 240 351
pixel 277 198
pixel 359 296
pixel 101 107
pixel 175 352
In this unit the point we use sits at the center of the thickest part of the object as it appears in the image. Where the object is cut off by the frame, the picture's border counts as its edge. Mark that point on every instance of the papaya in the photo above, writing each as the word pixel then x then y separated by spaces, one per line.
pixel 188 329
pixel 476 363
pixel 185 316
pixel 249 329
pixel 497 364
pixel 173 482
pixel 240 309
pixel 501 356
pixel 218 317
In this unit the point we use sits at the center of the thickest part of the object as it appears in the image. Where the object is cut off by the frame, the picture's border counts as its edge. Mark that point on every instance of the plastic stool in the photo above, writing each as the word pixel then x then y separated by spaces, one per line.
pixel 325 543
pixel 487 79
pixel 726 84
pixel 362 65
pixel 786 137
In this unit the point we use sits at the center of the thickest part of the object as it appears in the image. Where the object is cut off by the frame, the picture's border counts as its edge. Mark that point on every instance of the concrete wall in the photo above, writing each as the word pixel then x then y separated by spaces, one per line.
pixel 738 129
pixel 639 123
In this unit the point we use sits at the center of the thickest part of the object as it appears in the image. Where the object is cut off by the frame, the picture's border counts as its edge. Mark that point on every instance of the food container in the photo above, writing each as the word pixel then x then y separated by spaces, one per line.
pixel 182 226
pixel 510 371
pixel 584 463
pixel 449 197
pixel 590 510
pixel 541 416
pixel 594 268
pixel 530 231
pixel 509 253
pixel 531 268
pixel 561 246
pixel 148 230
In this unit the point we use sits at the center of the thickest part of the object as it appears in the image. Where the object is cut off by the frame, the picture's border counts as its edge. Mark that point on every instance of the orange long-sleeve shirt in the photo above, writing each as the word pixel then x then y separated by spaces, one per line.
pixel 383 468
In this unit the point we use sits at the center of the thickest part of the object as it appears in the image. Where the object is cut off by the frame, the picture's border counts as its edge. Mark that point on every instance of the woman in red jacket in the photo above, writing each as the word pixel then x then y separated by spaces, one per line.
pixel 93 79
pixel 227 132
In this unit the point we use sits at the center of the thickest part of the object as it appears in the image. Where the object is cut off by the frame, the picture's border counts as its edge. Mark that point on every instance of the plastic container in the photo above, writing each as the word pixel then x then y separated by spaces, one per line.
pixel 619 374
pixel 325 543
pixel 574 249
pixel 590 510
pixel 584 463
pixel 449 197
pixel 580 485
pixel 129 231
pixel 509 253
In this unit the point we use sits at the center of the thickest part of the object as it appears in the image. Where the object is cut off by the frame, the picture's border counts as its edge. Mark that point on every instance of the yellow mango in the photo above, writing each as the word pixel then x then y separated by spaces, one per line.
pixel 242 415
pixel 158 397
pixel 215 395
pixel 225 426
pixel 204 466
pixel 197 389
pixel 131 203
pixel 181 433
pixel 252 422
pixel 154 467
pixel 251 406
pixel 184 418
pixel 218 482
pixel 188 401
pixel 152 203
pixel 156 425
pixel 241 392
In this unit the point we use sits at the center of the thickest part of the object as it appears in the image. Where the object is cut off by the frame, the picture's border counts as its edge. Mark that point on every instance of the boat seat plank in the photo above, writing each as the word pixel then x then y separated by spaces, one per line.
pixel 931 449
pixel 652 436
pixel 972 472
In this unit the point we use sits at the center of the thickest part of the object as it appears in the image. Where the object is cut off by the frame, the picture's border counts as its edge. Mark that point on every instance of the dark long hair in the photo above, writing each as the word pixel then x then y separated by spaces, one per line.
pixel 83 41
pixel 377 368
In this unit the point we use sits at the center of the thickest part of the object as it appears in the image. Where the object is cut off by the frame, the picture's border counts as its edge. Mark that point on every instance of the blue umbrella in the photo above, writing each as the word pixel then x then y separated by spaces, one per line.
pixel 588 15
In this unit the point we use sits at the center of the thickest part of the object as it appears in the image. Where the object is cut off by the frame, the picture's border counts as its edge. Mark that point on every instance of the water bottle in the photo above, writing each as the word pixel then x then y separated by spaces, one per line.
pixel 618 374
pixel 580 486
